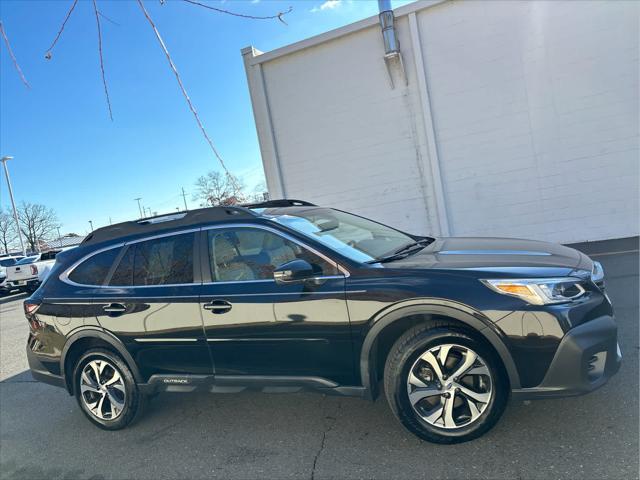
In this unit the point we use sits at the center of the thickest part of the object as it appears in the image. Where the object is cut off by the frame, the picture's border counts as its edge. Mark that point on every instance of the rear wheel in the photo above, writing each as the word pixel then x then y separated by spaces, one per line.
pixel 106 390
pixel 444 385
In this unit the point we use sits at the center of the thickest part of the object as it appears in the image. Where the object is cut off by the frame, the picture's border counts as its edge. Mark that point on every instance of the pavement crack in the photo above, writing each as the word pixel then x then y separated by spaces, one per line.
pixel 330 421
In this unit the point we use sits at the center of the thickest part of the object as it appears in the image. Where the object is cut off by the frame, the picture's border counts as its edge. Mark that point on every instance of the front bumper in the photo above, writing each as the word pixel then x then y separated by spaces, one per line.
pixel 587 357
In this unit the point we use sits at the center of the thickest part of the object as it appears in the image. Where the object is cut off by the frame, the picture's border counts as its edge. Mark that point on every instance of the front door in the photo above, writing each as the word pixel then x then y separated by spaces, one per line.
pixel 151 303
pixel 256 327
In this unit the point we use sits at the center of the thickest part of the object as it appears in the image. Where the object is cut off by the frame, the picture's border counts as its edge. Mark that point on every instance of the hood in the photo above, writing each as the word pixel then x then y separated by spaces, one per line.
pixel 507 255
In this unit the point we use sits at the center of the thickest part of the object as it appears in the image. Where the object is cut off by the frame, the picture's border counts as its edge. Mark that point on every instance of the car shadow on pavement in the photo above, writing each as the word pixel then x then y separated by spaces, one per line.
pixel 20 378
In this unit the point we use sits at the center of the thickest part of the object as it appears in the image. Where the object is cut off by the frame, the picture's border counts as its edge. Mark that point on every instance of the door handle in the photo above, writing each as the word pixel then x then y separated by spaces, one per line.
pixel 114 308
pixel 217 306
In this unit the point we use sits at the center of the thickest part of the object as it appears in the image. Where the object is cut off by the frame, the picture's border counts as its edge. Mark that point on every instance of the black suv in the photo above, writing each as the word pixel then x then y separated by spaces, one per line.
pixel 285 295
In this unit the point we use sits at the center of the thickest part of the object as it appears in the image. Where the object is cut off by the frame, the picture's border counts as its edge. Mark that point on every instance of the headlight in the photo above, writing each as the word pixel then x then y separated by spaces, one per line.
pixel 539 291
pixel 597 274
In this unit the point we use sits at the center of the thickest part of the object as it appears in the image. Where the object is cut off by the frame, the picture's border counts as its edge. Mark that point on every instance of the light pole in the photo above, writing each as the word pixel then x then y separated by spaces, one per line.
pixel 184 197
pixel 91 224
pixel 13 203
pixel 59 236
pixel 139 206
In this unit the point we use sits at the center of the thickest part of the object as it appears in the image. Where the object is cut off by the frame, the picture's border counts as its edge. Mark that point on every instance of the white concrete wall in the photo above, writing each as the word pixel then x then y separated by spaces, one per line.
pixel 534 108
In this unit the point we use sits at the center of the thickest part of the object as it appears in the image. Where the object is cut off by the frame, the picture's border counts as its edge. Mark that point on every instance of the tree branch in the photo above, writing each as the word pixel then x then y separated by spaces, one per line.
pixel 108 19
pixel 13 57
pixel 184 92
pixel 242 15
pixel 48 54
pixel 104 79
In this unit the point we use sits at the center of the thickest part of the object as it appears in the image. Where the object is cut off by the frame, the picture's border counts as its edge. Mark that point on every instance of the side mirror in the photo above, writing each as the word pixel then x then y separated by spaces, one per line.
pixel 293 271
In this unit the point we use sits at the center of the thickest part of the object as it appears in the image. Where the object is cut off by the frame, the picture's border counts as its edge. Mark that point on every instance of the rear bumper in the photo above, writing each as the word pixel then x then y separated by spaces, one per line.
pixel 28 284
pixel 40 373
pixel 587 357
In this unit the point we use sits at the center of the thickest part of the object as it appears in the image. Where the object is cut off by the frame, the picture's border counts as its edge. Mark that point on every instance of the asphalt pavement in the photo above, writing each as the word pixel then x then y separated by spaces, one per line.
pixel 43 434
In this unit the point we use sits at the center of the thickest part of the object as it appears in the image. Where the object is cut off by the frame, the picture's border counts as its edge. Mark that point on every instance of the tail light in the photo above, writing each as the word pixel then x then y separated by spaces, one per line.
pixel 34 270
pixel 30 307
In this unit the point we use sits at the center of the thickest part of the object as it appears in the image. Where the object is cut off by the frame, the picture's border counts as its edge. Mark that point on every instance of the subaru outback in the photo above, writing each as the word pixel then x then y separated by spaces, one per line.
pixel 285 295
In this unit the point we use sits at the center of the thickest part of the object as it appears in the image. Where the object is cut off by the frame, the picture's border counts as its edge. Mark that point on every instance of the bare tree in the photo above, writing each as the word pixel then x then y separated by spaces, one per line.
pixel 98 14
pixel 260 193
pixel 7 230
pixel 13 57
pixel 217 188
pixel 37 223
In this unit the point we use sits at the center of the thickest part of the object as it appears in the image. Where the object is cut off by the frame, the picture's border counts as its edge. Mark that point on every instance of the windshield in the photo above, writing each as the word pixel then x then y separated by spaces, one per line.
pixel 27 260
pixel 354 237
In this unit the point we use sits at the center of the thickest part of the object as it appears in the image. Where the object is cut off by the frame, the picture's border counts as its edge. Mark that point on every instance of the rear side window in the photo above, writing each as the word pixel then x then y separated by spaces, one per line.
pixel 94 270
pixel 161 261
pixel 48 255
pixel 123 274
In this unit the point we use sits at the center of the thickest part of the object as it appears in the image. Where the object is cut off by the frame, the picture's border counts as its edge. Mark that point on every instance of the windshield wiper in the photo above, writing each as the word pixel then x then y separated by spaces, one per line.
pixel 403 252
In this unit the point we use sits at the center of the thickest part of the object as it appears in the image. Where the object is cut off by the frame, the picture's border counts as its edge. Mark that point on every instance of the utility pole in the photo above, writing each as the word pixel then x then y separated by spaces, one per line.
pixel 59 236
pixel 184 197
pixel 91 224
pixel 139 206
pixel 13 203
pixel 149 211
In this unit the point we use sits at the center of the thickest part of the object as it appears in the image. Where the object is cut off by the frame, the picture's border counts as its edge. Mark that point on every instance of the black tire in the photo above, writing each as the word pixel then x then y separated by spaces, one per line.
pixel 411 346
pixel 134 401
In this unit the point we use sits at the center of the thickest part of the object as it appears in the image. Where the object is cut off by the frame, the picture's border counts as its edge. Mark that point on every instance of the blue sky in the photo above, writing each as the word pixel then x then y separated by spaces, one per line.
pixel 71 157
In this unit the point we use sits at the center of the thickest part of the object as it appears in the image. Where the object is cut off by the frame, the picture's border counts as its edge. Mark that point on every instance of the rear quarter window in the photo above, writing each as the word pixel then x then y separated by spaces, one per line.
pixel 94 270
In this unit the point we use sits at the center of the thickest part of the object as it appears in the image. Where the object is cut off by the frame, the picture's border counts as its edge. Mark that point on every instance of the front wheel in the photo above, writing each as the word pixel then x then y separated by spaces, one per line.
pixel 444 385
pixel 106 390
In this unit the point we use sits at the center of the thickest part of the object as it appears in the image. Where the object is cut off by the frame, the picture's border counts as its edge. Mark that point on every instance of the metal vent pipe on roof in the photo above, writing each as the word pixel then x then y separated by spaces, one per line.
pixel 389 36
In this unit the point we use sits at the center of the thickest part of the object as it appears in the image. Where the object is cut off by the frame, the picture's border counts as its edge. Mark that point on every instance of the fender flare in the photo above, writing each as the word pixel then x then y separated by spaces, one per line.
pixel 106 336
pixel 446 308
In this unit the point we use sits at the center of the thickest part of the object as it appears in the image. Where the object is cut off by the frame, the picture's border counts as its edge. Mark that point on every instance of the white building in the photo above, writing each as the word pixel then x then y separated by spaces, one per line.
pixel 515 119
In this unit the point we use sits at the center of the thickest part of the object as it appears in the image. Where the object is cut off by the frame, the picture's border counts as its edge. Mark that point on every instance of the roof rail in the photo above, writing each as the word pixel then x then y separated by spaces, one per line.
pixel 167 222
pixel 285 202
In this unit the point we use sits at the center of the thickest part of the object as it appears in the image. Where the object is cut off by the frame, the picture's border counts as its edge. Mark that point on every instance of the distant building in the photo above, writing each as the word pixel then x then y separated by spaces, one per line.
pixel 503 118
pixel 62 242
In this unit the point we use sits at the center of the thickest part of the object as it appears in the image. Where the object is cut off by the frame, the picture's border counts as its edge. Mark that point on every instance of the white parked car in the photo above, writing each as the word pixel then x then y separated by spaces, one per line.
pixel 7 261
pixel 27 274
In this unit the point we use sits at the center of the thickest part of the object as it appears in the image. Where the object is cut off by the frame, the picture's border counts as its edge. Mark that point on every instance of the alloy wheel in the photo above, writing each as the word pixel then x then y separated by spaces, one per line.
pixel 102 389
pixel 449 386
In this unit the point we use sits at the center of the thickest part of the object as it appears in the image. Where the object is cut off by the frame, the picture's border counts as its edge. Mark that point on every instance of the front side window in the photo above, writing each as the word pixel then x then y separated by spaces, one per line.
pixel 161 261
pixel 354 237
pixel 94 270
pixel 246 254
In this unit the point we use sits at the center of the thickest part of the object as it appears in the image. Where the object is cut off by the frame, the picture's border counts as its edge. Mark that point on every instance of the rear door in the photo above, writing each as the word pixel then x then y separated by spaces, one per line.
pixel 151 304
pixel 256 327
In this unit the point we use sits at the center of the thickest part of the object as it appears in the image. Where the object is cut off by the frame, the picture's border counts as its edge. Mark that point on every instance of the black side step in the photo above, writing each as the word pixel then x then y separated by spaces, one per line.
pixel 238 383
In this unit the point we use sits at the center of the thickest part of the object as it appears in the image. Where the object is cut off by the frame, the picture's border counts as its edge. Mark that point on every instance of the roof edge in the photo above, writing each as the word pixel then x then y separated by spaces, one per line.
pixel 333 34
